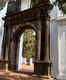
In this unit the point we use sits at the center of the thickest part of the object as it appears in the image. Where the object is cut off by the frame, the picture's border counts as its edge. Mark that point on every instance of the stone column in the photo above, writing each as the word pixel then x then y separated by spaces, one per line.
pixel 13 55
pixel 17 52
pixel 31 61
pixel 61 53
pixel 3 53
pixel 4 44
pixel 38 53
pixel 25 60
pixel 43 61
pixel 47 43
pixel 47 50
pixel 20 60
pixel 9 48
pixel 58 48
pixel 38 44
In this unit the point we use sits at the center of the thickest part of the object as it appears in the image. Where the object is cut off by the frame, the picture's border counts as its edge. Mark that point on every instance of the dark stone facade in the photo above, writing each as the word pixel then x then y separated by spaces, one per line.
pixel 15 23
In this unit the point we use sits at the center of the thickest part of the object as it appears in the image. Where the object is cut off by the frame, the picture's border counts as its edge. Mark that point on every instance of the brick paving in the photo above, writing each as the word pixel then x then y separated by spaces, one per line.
pixel 25 74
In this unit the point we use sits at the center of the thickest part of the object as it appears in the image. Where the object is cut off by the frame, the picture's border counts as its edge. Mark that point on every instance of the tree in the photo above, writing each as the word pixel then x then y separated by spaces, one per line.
pixel 29 44
pixel 61 3
pixel 2 3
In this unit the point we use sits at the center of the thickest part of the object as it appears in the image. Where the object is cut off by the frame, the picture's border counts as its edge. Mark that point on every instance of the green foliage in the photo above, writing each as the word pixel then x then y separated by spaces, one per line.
pixel 29 44
pixel 2 3
pixel 34 2
pixel 37 2
pixel 61 3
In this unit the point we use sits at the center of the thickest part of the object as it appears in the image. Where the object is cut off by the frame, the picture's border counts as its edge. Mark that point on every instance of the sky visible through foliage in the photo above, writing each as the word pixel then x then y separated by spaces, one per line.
pixel 2 3
pixel 29 43
pixel 60 3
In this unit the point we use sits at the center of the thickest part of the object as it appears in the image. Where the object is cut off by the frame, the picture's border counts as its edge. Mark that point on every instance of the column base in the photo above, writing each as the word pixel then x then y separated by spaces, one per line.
pixel 61 77
pixel 42 68
pixel 3 64
pixel 12 67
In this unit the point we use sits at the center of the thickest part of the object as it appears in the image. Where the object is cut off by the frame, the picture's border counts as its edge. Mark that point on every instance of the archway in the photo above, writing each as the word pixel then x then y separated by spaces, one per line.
pixel 14 51
pixel 17 34
pixel 27 51
pixel 15 24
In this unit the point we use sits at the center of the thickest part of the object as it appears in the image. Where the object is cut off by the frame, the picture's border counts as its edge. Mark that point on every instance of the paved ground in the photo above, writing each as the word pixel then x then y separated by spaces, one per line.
pixel 26 73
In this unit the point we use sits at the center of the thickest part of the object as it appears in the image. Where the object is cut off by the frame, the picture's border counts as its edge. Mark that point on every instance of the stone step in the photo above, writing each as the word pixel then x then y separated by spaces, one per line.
pixel 47 78
pixel 43 77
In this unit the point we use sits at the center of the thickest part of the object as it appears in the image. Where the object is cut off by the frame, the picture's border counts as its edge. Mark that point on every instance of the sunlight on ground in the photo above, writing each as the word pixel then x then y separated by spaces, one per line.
pixel 20 75
pixel 28 67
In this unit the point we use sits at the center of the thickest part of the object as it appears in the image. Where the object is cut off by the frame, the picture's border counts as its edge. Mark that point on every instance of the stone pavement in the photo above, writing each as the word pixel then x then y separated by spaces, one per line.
pixel 21 75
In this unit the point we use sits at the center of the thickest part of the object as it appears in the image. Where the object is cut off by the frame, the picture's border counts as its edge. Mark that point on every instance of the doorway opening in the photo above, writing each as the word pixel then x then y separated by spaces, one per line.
pixel 27 51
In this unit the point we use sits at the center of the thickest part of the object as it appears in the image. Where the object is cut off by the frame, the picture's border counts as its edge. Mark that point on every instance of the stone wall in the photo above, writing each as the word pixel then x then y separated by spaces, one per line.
pixel 58 47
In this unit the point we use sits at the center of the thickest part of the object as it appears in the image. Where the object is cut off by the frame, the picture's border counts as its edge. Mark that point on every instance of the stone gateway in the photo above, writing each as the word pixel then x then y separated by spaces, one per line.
pixel 15 24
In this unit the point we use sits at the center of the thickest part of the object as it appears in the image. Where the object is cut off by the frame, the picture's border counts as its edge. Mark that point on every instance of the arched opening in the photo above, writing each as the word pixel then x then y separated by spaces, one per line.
pixel 24 49
pixel 27 50
pixel 15 24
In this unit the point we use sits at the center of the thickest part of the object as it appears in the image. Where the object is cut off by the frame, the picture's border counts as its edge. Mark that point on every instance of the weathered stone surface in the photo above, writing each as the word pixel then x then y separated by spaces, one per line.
pixel 58 48
pixel 16 23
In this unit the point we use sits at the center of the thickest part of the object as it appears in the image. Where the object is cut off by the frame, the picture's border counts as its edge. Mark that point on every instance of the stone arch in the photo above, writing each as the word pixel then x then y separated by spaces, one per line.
pixel 22 28
pixel 14 23
pixel 15 41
